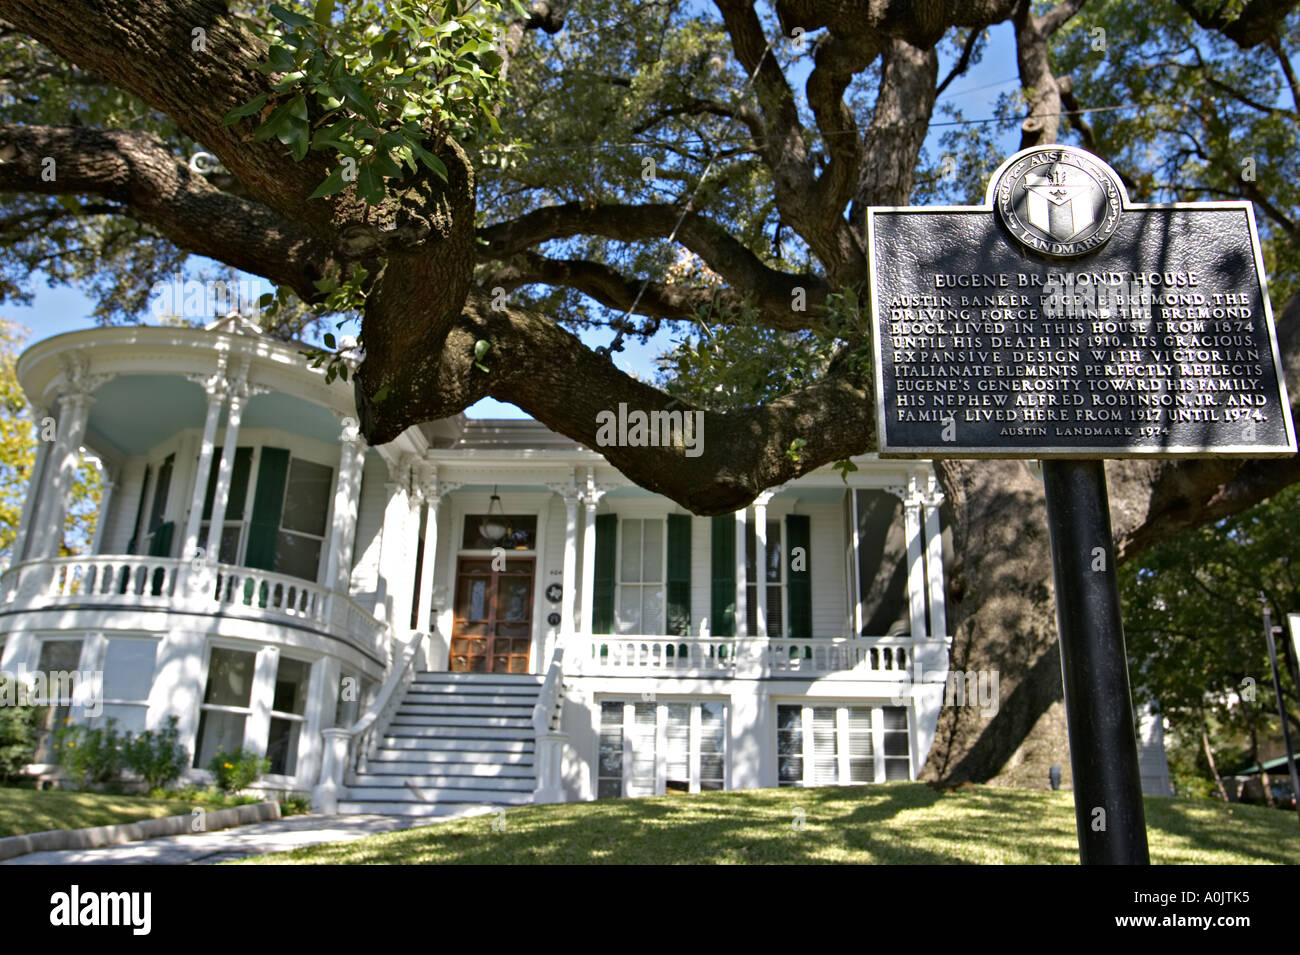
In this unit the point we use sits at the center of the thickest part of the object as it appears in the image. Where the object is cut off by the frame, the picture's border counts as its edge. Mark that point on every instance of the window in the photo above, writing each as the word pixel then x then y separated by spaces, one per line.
pixel 774 577
pixel 158 533
pixel 58 663
pixel 232 525
pixel 225 709
pixel 128 677
pixel 521 532
pixel 303 518
pixel 641 576
pixel 649 748
pixel 830 745
pixel 288 707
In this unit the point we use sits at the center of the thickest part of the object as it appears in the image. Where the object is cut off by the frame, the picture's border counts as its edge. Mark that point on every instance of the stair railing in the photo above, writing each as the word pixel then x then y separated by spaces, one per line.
pixel 346 750
pixel 547 714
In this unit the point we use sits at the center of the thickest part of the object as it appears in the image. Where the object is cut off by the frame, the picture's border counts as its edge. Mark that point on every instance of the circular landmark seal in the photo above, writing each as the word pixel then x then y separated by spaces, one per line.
pixel 1059 201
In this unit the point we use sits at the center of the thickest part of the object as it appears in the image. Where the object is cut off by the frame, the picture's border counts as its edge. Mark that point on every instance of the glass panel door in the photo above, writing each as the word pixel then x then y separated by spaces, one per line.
pixel 493 625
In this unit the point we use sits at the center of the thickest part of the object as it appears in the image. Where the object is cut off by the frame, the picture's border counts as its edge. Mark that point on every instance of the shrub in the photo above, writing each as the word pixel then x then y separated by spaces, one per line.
pixel 91 755
pixel 20 728
pixel 237 770
pixel 295 805
pixel 157 756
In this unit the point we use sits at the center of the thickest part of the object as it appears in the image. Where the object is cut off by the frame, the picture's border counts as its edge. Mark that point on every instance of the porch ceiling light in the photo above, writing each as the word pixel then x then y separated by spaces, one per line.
pixel 493 526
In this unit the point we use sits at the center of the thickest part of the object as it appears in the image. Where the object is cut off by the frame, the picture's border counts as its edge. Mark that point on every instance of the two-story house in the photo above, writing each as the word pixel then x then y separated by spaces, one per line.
pixel 479 613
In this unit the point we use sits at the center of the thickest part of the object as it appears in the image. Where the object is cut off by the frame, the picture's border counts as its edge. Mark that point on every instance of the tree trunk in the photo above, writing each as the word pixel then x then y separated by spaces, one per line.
pixel 1209 756
pixel 1003 620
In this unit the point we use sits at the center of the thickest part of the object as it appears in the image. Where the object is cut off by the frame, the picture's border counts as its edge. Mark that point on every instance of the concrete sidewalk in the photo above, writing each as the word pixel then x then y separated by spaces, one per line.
pixel 203 848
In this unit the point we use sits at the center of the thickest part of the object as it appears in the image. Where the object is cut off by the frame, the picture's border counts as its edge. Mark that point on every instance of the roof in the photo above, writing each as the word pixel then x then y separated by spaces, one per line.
pixel 1269 766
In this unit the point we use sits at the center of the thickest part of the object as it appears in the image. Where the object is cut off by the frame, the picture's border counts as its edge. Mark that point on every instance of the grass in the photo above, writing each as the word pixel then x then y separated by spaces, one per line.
pixel 898 823
pixel 24 809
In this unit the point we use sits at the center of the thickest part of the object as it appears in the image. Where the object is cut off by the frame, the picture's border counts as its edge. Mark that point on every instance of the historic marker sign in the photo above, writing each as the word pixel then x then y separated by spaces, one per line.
pixel 1061 320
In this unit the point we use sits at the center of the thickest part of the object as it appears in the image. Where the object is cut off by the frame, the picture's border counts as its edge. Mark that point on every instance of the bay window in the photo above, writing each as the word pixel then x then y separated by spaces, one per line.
pixel 226 704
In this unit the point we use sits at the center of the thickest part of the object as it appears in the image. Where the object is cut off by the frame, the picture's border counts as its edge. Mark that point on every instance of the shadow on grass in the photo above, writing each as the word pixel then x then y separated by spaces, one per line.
pixel 893 823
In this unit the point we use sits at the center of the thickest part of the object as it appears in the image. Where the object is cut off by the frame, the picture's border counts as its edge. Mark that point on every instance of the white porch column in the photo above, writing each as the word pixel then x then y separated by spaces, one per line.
pixel 74 410
pixel 347 495
pixel 916 587
pixel 571 495
pixel 760 561
pixel 742 608
pixel 569 568
pixel 34 485
pixel 216 389
pixel 394 577
pixel 591 496
pixel 934 559
pixel 238 389
pixel 107 487
pixel 432 492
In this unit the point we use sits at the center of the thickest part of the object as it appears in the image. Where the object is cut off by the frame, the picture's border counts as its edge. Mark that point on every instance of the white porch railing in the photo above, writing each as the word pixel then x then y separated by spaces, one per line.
pixel 346 750
pixel 165 583
pixel 549 734
pixel 875 658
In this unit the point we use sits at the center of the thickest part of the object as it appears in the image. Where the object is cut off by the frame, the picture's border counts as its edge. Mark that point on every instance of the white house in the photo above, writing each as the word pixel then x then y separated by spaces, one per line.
pixel 481 612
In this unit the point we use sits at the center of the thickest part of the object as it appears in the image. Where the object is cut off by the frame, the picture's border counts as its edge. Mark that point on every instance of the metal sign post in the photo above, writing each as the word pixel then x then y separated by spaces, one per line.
pixel 1108 809
pixel 1061 322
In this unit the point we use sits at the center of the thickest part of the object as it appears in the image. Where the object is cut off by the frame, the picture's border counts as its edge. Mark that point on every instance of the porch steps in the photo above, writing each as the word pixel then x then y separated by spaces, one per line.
pixel 457 741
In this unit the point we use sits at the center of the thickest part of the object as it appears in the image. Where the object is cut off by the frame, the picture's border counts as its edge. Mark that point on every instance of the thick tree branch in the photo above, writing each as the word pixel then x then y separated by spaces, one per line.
pixel 805 206
pixel 139 172
pixel 898 128
pixel 721 252
pixel 659 300
pixel 1247 24
pixel 539 366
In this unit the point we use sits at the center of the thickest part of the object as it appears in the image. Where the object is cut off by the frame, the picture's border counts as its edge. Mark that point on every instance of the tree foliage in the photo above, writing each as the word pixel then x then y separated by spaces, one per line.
pixel 1194 629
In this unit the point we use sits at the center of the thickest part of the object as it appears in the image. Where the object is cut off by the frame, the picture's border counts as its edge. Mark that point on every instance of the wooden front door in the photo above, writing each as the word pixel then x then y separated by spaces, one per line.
pixel 493 625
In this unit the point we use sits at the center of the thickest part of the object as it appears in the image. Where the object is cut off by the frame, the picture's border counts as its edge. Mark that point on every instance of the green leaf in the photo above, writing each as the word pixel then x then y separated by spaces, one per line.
pixel 481 348
pixel 251 108
pixel 279 60
pixel 324 13
pixel 370 185
pixel 357 96
pixel 296 20
pixel 329 341
pixel 381 395
pixel 333 183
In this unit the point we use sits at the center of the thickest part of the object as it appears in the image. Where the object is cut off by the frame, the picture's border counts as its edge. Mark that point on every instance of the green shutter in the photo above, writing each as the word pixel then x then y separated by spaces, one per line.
pixel 723 604
pixel 160 545
pixel 238 484
pixel 799 589
pixel 679 574
pixel 602 609
pixel 267 503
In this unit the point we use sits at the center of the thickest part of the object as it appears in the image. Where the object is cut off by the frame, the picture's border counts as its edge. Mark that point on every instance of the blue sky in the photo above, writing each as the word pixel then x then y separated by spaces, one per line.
pixel 63 309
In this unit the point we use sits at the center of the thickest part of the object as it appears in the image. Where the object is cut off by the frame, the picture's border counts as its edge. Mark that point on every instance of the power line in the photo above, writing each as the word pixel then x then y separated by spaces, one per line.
pixel 650 144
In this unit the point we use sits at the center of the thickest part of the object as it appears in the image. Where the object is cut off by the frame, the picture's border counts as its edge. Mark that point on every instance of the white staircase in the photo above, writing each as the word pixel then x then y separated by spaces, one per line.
pixel 457 741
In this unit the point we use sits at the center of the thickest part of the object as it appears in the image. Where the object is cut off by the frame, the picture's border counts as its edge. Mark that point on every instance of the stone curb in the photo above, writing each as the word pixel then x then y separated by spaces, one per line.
pixel 58 839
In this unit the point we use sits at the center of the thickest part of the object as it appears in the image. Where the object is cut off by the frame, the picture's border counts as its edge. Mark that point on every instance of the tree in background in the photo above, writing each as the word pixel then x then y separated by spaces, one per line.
pixel 1192 621
pixel 481 182
pixel 18 436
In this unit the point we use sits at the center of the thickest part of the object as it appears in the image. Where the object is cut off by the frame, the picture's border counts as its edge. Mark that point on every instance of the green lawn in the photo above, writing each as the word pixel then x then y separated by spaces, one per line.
pixel 23 809
pixel 890 823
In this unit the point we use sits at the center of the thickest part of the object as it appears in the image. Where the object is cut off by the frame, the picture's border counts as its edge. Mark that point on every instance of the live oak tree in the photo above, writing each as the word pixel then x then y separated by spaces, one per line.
pixel 477 185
